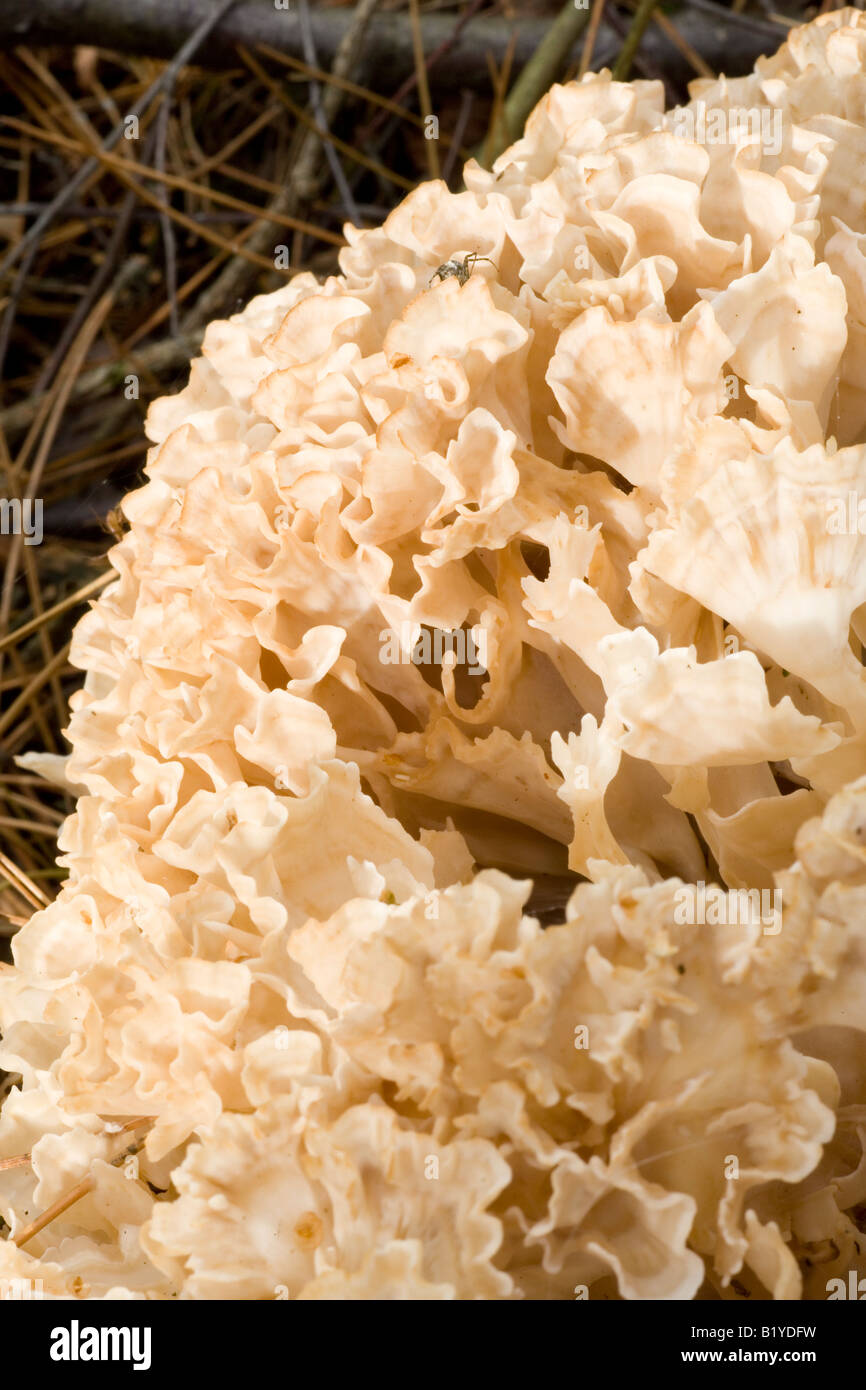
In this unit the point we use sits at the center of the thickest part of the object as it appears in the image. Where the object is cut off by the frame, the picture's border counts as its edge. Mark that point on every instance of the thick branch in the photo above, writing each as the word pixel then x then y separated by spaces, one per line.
pixel 158 28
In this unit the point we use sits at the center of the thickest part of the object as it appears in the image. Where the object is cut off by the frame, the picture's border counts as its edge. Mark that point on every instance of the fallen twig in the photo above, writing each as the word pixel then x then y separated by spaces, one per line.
pixel 301 181
pixel 169 244
pixel 591 36
pixel 159 27
pixel 422 84
pixel 642 17
pixel 688 51
pixel 536 77
pixel 81 1189
pixel 321 118
pixel 158 358
pixel 91 166
pixel 466 100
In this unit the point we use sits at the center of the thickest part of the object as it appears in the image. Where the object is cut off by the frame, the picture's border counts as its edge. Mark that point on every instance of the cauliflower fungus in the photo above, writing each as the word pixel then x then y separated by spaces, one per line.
pixel 301 944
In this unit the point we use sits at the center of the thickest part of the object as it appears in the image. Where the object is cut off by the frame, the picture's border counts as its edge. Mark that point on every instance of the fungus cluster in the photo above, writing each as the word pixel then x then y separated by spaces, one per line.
pixel 624 458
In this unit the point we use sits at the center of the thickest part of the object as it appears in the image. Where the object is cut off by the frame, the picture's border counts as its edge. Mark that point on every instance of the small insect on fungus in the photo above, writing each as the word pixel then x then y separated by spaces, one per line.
pixel 461 270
